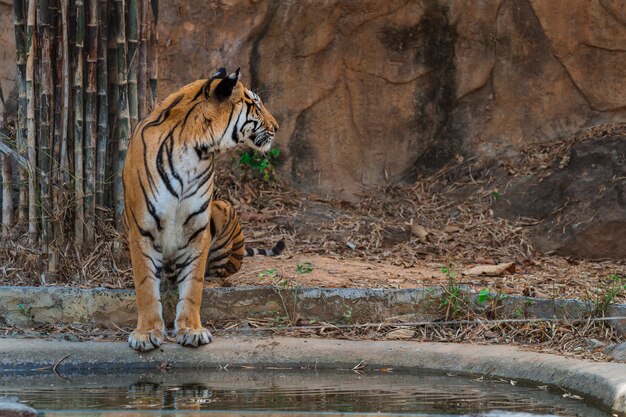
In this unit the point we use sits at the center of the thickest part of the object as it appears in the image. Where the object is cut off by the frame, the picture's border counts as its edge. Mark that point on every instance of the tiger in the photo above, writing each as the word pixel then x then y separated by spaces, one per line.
pixel 227 243
pixel 168 185
pixel 227 248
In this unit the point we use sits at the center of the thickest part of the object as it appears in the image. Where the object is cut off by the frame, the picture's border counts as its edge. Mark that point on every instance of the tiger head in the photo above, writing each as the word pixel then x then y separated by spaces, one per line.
pixel 236 115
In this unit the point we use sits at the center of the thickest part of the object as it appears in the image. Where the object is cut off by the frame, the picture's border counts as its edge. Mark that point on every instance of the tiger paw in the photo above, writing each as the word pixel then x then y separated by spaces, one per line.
pixel 145 341
pixel 193 337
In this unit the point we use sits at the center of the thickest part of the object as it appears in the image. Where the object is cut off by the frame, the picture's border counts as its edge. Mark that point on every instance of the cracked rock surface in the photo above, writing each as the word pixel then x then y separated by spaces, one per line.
pixel 368 92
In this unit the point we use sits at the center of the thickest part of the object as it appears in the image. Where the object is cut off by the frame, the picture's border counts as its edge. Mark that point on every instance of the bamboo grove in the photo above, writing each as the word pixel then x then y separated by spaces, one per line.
pixel 86 73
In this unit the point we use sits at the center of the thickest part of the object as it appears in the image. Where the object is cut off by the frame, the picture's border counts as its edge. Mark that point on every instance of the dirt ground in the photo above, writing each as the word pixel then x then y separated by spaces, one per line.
pixel 426 233
pixel 553 278
pixel 340 244
pixel 396 236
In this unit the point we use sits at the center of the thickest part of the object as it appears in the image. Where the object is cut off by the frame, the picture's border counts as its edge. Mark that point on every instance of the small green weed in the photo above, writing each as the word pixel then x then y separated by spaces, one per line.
pixel 304 268
pixel 490 301
pixel 347 314
pixel 604 297
pixel 25 310
pixel 484 296
pixel 448 271
pixel 268 273
pixel 285 290
pixel 261 165
pixel 272 276
pixel 452 298
pixel 280 322
pixel 487 295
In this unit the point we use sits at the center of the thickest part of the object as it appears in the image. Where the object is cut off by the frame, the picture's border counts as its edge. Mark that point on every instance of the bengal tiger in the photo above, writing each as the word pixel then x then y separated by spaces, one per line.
pixel 227 248
pixel 168 188
pixel 227 243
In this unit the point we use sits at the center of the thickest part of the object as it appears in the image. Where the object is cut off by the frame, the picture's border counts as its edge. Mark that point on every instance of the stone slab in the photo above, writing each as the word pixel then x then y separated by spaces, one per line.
pixel 604 383
pixel 105 308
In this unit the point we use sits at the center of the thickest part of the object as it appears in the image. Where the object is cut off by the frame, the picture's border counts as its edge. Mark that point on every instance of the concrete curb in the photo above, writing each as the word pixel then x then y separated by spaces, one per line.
pixel 104 308
pixel 604 383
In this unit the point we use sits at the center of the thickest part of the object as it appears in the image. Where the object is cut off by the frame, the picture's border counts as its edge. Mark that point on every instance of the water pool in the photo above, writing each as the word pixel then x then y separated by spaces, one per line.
pixel 264 393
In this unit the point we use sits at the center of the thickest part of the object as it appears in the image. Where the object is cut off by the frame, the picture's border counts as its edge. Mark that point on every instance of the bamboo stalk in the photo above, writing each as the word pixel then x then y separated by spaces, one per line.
pixel 20 53
pixel 103 105
pixel 7 178
pixel 142 55
pixel 30 123
pixel 45 119
pixel 55 224
pixel 123 121
pixel 91 120
pixel 79 218
pixel 65 107
pixel 7 195
pixel 154 61
pixel 132 34
pixel 112 145
pixel 55 178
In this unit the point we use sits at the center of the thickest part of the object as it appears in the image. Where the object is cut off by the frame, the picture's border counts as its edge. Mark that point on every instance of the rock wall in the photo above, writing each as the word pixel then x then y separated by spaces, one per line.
pixel 577 207
pixel 8 68
pixel 370 91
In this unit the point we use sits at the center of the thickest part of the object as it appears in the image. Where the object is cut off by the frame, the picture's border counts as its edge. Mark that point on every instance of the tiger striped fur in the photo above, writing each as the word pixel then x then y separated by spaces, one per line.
pixel 168 188
pixel 227 243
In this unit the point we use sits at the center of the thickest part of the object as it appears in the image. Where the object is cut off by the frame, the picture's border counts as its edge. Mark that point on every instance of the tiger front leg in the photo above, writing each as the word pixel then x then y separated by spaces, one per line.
pixel 191 263
pixel 147 264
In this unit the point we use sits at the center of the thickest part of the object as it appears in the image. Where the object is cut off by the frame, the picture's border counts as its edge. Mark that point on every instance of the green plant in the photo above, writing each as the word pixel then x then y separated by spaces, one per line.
pixel 272 276
pixel 280 321
pixel 262 165
pixel 484 295
pixel 25 310
pixel 605 296
pixel 448 271
pixel 304 268
pixel 268 273
pixel 285 290
pixel 452 298
pixel 347 314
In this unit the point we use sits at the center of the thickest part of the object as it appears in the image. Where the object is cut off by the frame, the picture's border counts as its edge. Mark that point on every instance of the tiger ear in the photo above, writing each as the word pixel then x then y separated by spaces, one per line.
pixel 221 73
pixel 225 88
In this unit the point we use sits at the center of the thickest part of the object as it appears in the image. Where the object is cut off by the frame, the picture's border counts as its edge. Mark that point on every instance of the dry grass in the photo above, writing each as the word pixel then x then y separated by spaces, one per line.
pixel 445 219
pixel 585 339
pixel 106 264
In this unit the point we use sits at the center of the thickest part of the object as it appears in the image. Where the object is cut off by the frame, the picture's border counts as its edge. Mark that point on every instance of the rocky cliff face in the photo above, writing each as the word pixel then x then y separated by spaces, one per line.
pixel 369 91
pixel 7 51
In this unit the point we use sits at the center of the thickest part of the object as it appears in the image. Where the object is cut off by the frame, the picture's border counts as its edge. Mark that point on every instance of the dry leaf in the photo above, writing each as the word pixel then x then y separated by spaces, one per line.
pixel 499 269
pixel 529 291
pixel 487 261
pixel 400 334
pixel 452 229
pixel 420 232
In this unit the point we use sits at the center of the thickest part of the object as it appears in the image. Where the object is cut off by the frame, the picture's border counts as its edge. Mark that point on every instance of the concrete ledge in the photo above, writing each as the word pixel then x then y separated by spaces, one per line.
pixel 604 383
pixel 104 308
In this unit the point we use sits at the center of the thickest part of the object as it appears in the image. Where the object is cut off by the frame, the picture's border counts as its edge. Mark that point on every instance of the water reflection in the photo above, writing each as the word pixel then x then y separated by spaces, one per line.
pixel 284 393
